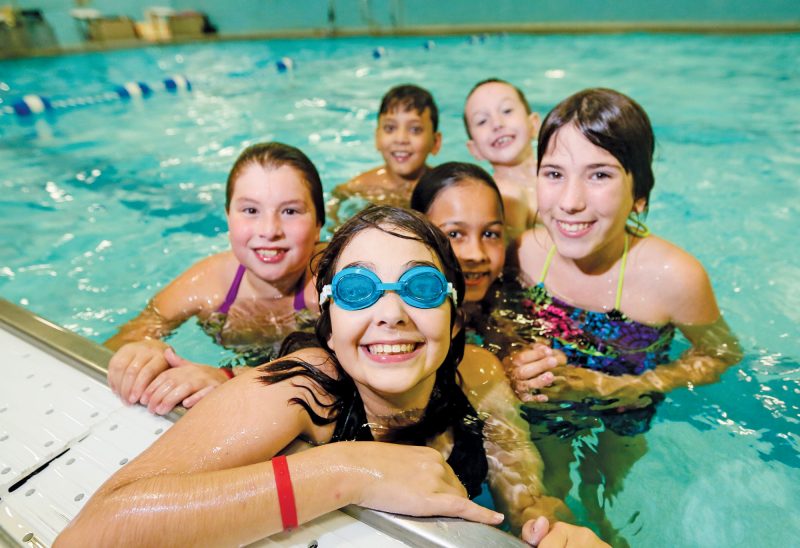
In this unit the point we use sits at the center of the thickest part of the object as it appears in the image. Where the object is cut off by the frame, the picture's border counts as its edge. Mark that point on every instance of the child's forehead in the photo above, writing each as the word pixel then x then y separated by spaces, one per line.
pixel 407 112
pixel 492 92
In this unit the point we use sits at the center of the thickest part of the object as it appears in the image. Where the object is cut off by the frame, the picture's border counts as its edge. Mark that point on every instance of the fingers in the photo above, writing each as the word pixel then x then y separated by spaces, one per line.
pixel 535 530
pixel 189 402
pixel 530 363
pixel 461 507
pixel 166 393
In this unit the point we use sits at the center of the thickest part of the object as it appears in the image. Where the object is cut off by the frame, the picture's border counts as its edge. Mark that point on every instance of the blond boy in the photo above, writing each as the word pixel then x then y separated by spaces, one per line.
pixel 501 126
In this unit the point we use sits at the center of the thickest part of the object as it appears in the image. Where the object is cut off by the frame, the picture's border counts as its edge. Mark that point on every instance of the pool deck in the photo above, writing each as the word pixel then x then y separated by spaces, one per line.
pixel 63 432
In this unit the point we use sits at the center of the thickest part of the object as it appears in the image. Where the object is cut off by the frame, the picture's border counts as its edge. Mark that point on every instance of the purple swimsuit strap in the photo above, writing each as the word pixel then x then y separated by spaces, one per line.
pixel 299 301
pixel 300 296
pixel 233 291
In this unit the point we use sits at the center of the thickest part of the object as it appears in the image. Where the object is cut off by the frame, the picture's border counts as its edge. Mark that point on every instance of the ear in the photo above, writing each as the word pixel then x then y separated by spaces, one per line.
pixel 639 205
pixel 437 142
pixel 473 150
pixel 535 124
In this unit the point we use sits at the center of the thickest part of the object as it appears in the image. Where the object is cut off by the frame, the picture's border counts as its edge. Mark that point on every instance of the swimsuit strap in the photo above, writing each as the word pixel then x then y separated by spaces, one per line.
pixel 618 300
pixel 299 301
pixel 547 262
pixel 233 291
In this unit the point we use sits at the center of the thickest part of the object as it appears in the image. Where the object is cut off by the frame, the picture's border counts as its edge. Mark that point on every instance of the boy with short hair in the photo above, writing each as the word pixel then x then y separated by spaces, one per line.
pixel 500 126
pixel 407 132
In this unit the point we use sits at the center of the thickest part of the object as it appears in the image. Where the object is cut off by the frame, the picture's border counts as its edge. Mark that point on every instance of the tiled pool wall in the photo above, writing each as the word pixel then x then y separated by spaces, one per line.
pixel 309 17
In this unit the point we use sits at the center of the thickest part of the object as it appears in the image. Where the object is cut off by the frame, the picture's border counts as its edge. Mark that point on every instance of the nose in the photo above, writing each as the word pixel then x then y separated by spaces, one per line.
pixel 497 122
pixel 270 226
pixel 472 251
pixel 390 311
pixel 572 197
pixel 402 135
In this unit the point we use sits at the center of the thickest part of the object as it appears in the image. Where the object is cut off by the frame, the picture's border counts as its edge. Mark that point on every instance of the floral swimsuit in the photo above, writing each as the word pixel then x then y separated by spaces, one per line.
pixel 609 342
pixel 604 341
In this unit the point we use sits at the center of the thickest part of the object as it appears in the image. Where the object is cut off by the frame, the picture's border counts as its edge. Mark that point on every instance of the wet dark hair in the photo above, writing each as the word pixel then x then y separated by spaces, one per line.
pixel 613 122
pixel 493 81
pixel 407 97
pixel 448 406
pixel 446 175
pixel 274 155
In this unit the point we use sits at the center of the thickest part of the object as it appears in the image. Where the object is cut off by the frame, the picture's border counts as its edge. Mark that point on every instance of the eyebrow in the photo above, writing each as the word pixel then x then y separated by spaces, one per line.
pixel 590 166
pixel 460 223
pixel 245 199
pixel 371 266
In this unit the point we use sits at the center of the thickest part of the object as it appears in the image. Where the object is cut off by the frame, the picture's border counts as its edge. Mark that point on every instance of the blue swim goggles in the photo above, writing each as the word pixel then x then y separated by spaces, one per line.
pixel 356 288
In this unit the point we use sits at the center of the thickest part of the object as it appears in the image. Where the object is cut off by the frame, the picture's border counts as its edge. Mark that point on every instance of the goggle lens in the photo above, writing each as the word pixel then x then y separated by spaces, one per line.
pixel 356 288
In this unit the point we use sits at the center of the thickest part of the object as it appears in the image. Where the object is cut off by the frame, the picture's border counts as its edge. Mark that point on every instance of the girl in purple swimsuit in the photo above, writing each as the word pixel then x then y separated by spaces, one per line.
pixel 604 300
pixel 247 298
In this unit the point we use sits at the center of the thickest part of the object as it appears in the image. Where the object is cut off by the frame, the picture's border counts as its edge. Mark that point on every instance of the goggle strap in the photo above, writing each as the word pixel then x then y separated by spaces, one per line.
pixel 327 292
pixel 453 293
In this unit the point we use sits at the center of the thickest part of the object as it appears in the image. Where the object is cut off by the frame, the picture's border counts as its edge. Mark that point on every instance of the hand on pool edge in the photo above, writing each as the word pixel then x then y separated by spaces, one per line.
pixel 183 381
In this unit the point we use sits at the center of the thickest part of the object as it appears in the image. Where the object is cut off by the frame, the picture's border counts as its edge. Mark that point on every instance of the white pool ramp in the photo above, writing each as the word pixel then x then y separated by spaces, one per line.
pixel 63 433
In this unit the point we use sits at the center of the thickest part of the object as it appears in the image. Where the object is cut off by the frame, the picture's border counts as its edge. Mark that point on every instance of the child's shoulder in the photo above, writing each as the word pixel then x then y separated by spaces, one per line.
pixel 479 366
pixel 376 177
pixel 223 264
pixel 657 255
pixel 683 285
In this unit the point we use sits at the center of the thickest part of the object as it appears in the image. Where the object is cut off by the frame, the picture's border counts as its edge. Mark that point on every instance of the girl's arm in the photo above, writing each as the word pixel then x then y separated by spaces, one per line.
pixel 199 288
pixel 139 356
pixel 209 480
pixel 515 466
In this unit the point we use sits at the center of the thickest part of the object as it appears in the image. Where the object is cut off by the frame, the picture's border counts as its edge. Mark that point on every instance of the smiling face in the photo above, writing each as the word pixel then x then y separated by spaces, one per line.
pixel 405 138
pixel 585 196
pixel 500 127
pixel 272 223
pixel 391 350
pixel 469 214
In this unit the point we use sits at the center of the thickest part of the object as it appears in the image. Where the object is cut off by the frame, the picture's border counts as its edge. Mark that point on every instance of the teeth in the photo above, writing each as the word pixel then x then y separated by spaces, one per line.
pixel 401 155
pixel 503 140
pixel 473 275
pixel 573 227
pixel 267 253
pixel 391 348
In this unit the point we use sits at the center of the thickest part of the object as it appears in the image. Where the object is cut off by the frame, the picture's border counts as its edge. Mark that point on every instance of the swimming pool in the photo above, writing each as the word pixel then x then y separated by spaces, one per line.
pixel 103 204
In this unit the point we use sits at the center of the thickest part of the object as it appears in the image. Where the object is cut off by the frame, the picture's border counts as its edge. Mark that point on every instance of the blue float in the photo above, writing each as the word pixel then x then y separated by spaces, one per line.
pixel 32 104
pixel 38 104
pixel 285 64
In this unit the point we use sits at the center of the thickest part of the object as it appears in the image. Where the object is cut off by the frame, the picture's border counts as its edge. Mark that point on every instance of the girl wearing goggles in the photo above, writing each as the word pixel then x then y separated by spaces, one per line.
pixel 386 372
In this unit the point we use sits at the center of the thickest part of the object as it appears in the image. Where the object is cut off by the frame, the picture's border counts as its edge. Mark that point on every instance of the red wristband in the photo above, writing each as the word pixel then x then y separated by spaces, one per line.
pixel 228 372
pixel 283 483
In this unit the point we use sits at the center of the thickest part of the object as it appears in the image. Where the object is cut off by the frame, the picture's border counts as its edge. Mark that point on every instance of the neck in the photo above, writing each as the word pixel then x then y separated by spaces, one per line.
pixel 279 289
pixel 523 172
pixel 386 413
pixel 604 259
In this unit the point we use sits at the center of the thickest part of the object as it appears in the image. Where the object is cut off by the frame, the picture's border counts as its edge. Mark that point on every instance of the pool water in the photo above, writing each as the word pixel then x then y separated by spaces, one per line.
pixel 104 204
